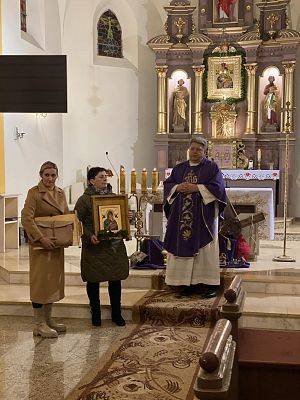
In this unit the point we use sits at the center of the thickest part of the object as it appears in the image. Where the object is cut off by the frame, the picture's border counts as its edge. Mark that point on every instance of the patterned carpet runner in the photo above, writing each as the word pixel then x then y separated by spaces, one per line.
pixel 157 359
pixel 146 363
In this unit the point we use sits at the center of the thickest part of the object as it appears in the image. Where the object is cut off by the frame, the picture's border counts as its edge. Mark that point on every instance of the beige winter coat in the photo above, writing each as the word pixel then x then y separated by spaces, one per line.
pixel 47 278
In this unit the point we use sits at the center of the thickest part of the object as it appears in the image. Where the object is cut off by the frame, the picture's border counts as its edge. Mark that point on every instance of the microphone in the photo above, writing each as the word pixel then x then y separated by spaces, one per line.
pixel 111 164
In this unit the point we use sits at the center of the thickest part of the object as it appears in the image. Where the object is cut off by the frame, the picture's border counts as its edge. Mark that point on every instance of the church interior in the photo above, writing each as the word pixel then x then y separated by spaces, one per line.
pixel 127 89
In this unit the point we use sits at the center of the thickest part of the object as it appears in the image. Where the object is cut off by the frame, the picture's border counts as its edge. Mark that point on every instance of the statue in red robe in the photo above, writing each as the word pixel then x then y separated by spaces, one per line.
pixel 225 9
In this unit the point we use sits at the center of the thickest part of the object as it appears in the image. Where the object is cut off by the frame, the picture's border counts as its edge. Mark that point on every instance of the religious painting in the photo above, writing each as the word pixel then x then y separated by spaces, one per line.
pixel 224 78
pixel 109 36
pixel 110 216
pixel 226 11
pixel 223 154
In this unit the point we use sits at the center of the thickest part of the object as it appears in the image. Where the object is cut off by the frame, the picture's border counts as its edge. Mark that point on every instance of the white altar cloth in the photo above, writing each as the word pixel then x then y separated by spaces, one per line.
pixel 262 198
pixel 244 174
pixel 251 174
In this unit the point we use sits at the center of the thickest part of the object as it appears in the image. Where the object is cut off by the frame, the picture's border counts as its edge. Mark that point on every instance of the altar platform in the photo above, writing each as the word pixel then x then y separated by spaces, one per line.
pixel 272 301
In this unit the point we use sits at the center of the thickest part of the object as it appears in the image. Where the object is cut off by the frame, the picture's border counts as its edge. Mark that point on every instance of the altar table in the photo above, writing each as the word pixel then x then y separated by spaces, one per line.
pixel 260 198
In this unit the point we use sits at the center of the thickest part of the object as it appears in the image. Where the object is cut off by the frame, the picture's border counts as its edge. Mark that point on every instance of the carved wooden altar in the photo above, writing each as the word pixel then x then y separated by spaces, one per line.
pixel 228 80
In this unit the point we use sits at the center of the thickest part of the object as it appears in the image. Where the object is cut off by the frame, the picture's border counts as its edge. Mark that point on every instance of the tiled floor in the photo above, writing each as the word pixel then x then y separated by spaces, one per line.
pixel 47 369
pixel 38 369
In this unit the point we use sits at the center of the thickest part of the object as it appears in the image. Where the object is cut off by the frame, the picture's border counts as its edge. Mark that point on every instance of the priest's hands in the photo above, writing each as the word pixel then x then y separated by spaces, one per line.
pixel 187 188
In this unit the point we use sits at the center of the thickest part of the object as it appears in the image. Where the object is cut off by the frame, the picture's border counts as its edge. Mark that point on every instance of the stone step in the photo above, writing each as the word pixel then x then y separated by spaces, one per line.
pixel 272 285
pixel 138 279
pixel 279 222
pixel 14 300
pixel 268 311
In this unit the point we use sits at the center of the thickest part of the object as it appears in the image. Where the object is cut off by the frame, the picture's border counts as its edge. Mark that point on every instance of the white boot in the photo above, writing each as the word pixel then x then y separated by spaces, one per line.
pixel 50 322
pixel 41 328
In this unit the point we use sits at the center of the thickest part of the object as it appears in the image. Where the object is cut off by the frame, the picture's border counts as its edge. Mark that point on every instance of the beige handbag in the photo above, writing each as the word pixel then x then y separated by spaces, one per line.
pixel 60 232
pixel 64 230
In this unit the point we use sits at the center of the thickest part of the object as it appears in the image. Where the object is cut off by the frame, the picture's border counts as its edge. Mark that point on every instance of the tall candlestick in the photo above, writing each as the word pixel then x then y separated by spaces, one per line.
pixel 154 180
pixel 122 181
pixel 258 158
pixel 144 180
pixel 133 181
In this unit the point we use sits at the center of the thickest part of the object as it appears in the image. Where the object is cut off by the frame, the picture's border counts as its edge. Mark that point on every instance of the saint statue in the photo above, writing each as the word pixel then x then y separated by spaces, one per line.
pixel 226 9
pixel 271 104
pixel 180 106
pixel 224 80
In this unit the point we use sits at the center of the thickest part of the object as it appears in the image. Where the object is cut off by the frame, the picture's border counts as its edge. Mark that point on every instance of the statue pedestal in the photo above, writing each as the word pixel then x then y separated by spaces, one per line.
pixel 178 129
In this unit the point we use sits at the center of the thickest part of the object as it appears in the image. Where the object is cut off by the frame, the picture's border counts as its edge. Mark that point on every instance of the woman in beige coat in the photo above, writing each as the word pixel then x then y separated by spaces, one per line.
pixel 47 263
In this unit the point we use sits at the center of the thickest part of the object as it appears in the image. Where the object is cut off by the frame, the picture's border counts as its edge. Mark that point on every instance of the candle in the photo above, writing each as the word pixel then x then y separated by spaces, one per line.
pixel 133 181
pixel 154 180
pixel 259 155
pixel 122 181
pixel 144 180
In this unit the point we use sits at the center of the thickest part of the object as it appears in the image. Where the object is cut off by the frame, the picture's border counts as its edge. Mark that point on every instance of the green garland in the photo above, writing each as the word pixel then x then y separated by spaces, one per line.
pixel 243 77
pixel 107 235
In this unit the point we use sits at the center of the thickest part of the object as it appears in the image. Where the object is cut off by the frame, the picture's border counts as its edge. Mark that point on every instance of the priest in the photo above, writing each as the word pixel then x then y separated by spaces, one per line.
pixel 195 196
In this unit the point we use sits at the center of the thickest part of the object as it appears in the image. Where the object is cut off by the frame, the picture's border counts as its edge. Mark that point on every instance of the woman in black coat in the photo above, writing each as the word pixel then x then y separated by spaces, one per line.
pixel 101 261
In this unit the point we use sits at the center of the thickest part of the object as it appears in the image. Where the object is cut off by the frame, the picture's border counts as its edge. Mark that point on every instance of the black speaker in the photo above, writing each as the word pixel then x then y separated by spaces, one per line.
pixel 33 84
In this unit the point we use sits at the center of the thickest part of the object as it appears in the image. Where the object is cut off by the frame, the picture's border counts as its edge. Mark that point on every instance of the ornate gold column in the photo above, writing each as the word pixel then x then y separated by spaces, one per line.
pixel 251 72
pixel 289 68
pixel 199 71
pixel 162 99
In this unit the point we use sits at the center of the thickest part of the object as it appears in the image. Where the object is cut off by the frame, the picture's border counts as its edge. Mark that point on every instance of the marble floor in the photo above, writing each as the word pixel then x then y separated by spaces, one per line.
pixel 37 369
pixel 48 369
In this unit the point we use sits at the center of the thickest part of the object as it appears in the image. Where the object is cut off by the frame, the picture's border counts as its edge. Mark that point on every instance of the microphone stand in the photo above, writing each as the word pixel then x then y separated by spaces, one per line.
pixel 118 178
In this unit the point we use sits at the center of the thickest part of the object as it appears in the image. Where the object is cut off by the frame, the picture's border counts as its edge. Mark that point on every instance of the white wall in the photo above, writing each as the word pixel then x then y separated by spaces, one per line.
pixel 43 139
pixel 112 103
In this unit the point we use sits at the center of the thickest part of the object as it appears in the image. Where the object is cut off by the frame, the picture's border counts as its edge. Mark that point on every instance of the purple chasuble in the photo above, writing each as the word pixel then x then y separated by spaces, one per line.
pixel 190 221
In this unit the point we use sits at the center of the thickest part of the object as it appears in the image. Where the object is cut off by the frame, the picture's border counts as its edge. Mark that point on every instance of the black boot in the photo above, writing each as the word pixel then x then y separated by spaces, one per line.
pixel 186 291
pixel 92 289
pixel 114 290
pixel 210 291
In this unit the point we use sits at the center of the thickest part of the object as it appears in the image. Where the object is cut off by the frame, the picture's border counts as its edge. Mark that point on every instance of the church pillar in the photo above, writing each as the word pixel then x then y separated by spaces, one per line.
pixel 162 99
pixel 289 68
pixel 198 125
pixel 251 72
pixel 2 156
